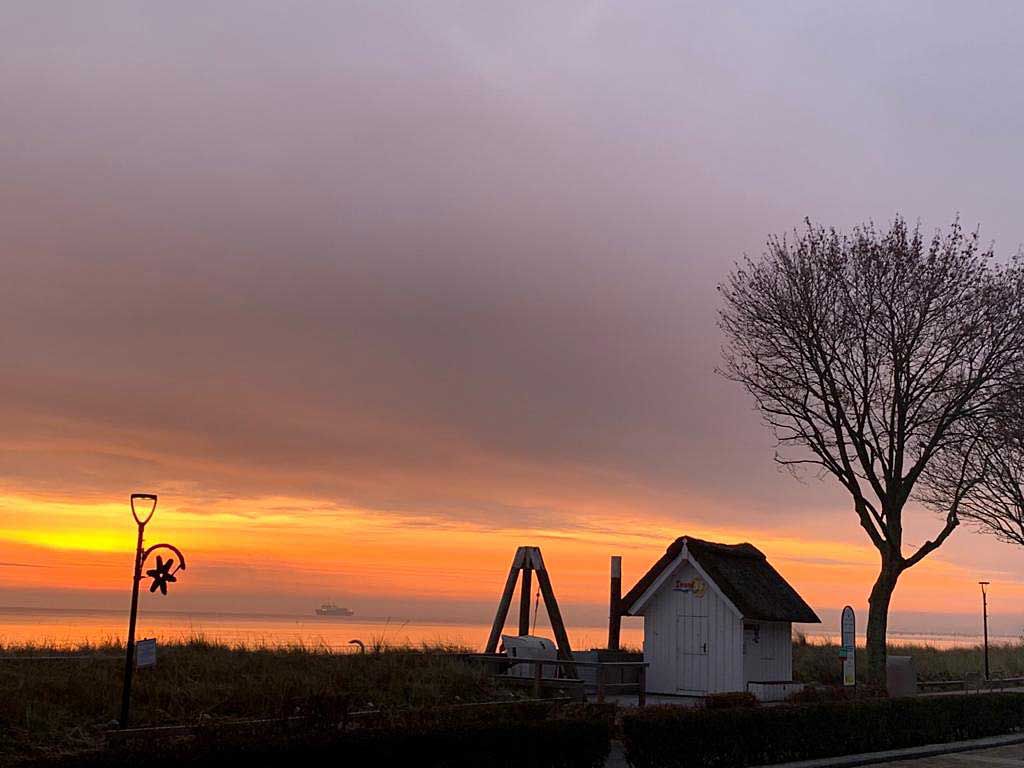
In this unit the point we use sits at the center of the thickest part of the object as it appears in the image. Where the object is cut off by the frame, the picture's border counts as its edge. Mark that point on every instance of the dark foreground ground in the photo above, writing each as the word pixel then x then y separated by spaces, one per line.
pixel 55 702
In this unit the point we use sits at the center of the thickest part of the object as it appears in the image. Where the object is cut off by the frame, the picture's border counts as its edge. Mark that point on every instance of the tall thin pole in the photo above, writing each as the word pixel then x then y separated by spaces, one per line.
pixel 984 615
pixel 614 609
pixel 129 656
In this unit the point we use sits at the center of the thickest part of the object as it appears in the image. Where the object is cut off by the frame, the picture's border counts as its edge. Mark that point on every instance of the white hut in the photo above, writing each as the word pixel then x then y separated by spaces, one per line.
pixel 717 618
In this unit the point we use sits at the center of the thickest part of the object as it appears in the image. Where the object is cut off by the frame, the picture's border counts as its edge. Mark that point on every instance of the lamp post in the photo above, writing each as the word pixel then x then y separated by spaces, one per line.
pixel 984 615
pixel 161 575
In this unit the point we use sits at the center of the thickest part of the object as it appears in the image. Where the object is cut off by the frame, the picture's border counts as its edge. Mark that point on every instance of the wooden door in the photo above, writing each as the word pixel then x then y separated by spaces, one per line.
pixel 692 654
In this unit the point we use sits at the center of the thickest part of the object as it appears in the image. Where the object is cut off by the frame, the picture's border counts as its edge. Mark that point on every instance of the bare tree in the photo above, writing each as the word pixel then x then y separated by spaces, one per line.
pixel 986 467
pixel 866 354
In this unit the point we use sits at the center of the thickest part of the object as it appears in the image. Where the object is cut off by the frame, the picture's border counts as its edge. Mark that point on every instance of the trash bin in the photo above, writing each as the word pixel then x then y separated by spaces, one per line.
pixel 900 677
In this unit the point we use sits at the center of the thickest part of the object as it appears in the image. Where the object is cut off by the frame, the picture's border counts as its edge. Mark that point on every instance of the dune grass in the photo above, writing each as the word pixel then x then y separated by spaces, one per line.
pixel 820 663
pixel 66 704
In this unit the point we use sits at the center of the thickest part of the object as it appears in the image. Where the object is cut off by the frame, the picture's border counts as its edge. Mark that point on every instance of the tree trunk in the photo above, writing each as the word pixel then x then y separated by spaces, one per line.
pixel 878 620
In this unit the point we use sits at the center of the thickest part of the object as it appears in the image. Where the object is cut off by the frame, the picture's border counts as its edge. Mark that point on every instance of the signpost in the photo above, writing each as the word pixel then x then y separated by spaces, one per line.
pixel 161 575
pixel 848 650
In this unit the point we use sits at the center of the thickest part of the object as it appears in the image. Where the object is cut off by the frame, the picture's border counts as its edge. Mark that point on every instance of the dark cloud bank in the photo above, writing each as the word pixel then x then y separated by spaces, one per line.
pixel 396 254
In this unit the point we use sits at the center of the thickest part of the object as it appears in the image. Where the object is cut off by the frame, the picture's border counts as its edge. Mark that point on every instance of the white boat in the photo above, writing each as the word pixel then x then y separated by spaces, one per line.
pixel 331 609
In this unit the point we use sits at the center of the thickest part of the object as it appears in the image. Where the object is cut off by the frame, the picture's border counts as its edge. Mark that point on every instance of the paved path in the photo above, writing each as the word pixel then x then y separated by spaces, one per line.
pixel 617 757
pixel 1012 755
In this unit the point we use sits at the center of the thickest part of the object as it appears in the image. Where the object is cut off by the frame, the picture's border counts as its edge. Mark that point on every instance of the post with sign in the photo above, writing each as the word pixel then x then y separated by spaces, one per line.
pixel 848 650
pixel 143 506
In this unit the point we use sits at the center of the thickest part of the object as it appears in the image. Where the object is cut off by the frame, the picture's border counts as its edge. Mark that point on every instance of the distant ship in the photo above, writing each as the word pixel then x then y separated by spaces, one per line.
pixel 330 609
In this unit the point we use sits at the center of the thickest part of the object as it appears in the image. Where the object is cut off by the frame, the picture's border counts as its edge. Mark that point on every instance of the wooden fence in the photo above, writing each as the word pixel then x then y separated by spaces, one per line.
pixel 602 686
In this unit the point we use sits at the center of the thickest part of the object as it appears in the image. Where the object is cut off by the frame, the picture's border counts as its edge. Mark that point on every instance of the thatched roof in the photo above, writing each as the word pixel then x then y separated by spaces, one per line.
pixel 742 573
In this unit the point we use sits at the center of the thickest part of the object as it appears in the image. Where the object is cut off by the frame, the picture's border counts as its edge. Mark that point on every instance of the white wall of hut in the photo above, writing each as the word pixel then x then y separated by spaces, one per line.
pixel 696 641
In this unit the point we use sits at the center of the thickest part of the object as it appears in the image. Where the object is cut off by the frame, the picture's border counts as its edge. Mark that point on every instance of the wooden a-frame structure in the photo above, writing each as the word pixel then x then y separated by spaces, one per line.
pixel 527 561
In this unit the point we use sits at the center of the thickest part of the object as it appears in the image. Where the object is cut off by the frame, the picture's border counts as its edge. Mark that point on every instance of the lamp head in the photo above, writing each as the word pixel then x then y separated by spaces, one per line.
pixel 144 501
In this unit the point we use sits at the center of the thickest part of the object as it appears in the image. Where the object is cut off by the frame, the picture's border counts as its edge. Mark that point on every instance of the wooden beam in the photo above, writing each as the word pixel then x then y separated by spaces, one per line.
pixel 614 604
pixel 524 601
pixel 533 558
pixel 557 625
pixel 505 602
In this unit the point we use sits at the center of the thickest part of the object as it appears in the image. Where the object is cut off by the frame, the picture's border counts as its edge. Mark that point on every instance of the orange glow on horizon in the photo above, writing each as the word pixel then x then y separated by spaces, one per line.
pixel 309 547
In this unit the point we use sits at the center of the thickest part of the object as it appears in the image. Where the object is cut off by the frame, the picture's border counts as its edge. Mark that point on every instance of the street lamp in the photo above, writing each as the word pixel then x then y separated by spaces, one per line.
pixel 162 575
pixel 984 614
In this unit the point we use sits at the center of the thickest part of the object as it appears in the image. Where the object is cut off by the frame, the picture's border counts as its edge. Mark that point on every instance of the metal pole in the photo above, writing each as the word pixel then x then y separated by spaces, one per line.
pixel 129 656
pixel 984 614
pixel 614 599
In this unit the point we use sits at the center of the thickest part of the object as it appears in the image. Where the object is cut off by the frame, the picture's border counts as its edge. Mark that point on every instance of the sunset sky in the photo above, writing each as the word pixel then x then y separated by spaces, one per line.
pixel 373 292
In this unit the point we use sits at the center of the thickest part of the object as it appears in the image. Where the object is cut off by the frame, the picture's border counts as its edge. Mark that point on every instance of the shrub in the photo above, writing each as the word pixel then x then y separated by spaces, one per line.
pixel 816 694
pixel 666 737
pixel 529 735
pixel 730 700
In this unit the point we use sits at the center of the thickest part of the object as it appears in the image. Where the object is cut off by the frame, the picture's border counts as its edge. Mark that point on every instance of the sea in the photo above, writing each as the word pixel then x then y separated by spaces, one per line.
pixel 73 628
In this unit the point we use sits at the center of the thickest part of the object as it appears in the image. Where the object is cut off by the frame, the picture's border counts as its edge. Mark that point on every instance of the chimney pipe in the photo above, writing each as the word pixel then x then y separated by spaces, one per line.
pixel 614 607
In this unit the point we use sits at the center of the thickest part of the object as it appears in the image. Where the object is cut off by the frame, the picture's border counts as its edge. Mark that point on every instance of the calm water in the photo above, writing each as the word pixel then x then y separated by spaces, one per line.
pixel 69 628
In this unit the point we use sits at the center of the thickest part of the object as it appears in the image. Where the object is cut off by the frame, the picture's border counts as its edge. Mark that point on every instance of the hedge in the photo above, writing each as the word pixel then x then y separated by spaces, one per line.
pixel 666 737
pixel 577 740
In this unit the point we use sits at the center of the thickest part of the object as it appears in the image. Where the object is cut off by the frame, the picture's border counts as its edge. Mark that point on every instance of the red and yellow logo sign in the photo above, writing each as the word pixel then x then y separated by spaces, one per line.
pixel 695 586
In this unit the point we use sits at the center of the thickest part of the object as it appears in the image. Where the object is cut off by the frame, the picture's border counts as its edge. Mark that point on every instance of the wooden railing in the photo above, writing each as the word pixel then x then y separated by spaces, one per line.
pixel 978 683
pixel 602 688
pixel 187 729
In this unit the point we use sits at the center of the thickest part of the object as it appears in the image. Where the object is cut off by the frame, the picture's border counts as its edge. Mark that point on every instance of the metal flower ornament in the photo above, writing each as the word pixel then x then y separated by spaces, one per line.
pixel 162 575
pixel 143 507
